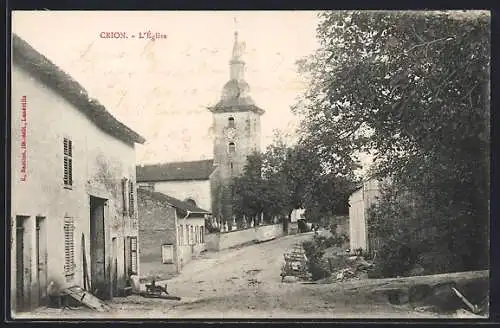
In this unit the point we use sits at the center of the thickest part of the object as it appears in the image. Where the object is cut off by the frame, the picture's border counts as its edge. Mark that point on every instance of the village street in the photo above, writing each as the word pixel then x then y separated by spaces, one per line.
pixel 246 283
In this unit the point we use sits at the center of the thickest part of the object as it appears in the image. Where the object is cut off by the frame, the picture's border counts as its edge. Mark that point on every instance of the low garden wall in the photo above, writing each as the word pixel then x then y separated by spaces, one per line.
pixel 224 240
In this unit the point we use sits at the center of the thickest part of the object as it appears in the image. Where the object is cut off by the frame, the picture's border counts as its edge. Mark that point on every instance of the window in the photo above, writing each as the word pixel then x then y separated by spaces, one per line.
pixel 181 234
pixel 191 235
pixel 125 192
pixel 232 147
pixel 131 199
pixel 69 249
pixel 167 254
pixel 186 240
pixel 202 234
pixel 230 122
pixel 148 186
pixel 197 235
pixel 68 163
pixel 133 256
pixel 191 202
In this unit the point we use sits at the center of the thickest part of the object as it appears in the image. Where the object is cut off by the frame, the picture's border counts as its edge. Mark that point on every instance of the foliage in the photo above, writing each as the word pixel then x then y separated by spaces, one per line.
pixel 314 250
pixel 288 177
pixel 412 88
pixel 210 227
pixel 250 189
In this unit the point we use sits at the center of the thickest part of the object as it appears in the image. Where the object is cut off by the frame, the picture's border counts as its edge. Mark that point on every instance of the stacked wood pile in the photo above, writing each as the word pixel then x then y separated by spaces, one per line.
pixel 295 263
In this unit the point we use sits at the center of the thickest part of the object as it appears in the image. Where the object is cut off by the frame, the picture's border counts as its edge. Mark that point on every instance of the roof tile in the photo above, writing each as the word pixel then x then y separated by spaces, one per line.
pixel 193 170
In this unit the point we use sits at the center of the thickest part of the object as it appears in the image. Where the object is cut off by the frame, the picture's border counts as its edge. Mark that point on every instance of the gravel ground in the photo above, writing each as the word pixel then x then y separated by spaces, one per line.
pixel 246 283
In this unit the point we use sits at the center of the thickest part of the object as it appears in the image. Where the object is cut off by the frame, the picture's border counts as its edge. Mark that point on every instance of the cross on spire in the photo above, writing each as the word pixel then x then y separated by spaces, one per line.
pixel 235 30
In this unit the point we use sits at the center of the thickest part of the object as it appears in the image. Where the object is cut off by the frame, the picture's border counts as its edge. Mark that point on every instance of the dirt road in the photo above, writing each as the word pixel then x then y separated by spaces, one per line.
pixel 246 283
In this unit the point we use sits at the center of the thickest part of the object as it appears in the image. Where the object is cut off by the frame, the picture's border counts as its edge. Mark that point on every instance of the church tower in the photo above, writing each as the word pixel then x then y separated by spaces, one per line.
pixel 236 126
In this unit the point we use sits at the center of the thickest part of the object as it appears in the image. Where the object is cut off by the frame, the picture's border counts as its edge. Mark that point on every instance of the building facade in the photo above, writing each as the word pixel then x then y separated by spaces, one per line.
pixel 172 232
pixel 73 200
pixel 187 181
pixel 359 203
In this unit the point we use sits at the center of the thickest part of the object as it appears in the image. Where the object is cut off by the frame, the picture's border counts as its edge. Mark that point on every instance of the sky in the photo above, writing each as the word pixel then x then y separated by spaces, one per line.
pixel 162 88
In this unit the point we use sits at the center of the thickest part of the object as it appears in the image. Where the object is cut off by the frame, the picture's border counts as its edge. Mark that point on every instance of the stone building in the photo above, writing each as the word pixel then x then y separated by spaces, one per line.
pixel 188 181
pixel 73 199
pixel 171 231
pixel 236 126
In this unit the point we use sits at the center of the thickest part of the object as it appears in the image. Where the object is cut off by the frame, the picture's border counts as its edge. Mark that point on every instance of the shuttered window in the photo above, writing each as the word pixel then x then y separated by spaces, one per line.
pixel 125 196
pixel 68 163
pixel 69 249
pixel 131 199
pixel 133 255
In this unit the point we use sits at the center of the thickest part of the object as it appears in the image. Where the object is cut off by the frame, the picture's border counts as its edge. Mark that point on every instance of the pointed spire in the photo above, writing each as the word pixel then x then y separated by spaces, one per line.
pixel 237 66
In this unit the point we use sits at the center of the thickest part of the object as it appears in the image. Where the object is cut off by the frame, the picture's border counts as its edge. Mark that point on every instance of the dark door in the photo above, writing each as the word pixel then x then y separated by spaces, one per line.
pixel 20 265
pixel 97 248
pixel 41 257
pixel 23 271
pixel 114 275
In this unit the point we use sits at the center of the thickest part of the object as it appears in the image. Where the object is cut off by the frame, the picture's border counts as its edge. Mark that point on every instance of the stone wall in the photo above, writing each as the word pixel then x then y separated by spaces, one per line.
pixel 157 226
pixel 224 240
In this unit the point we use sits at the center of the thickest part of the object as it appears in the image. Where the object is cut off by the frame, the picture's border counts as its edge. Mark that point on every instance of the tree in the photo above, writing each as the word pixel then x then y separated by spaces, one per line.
pixel 248 189
pixel 288 177
pixel 413 87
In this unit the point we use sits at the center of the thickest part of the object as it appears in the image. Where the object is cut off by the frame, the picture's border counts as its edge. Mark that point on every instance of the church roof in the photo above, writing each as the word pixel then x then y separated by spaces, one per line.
pixel 235 107
pixel 175 171
pixel 183 207
pixel 236 98
pixel 51 75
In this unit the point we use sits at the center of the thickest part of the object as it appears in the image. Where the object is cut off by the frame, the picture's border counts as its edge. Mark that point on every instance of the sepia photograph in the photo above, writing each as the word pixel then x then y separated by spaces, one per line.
pixel 250 164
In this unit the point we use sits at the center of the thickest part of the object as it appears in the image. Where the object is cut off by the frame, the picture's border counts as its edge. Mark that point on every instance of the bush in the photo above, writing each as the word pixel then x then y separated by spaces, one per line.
pixel 394 259
pixel 314 252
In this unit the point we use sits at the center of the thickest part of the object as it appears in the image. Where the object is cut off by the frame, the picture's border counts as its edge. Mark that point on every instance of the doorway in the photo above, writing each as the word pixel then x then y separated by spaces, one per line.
pixel 99 287
pixel 114 276
pixel 23 272
pixel 41 259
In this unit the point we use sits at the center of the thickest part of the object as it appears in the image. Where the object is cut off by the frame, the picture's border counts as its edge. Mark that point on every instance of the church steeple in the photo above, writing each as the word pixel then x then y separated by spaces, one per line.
pixel 235 94
pixel 237 65
pixel 236 132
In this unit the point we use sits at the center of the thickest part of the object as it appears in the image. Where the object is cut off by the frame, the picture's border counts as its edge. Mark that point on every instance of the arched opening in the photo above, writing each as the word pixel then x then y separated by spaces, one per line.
pixel 190 201
pixel 232 147
pixel 230 122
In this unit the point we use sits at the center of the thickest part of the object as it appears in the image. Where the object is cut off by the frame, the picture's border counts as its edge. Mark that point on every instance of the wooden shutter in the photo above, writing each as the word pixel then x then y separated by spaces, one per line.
pixel 131 199
pixel 167 254
pixel 133 255
pixel 125 196
pixel 69 249
pixel 68 162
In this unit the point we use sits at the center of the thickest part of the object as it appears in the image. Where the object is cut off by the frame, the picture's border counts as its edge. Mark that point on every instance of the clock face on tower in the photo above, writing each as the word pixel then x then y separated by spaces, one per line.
pixel 230 133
